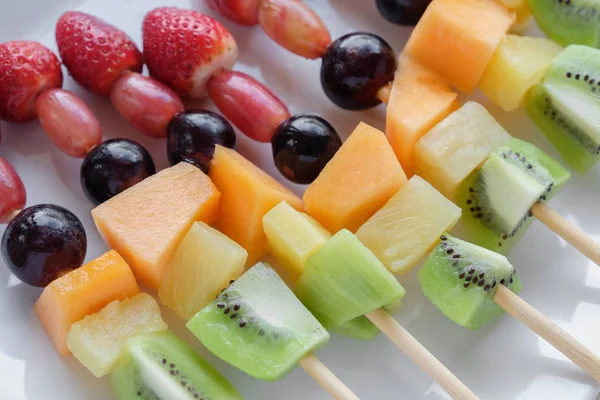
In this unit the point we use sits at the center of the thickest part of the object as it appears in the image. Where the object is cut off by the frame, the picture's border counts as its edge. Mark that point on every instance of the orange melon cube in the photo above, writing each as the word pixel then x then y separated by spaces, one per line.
pixel 419 99
pixel 146 222
pixel 247 194
pixel 82 292
pixel 457 39
pixel 362 176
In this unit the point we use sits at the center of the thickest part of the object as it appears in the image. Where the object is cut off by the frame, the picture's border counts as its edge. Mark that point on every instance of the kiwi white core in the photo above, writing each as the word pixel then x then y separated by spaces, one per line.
pixel 578 107
pixel 157 378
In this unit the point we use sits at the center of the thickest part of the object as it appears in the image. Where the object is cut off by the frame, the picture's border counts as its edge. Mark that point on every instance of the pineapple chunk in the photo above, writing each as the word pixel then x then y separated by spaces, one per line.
pixel 518 64
pixel 293 237
pixel 97 340
pixel 457 146
pixel 408 227
pixel 204 264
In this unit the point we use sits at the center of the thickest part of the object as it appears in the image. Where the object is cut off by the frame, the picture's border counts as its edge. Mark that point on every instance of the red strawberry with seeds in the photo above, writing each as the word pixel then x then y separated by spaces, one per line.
pixel 184 48
pixel 26 70
pixel 95 52
pixel 244 12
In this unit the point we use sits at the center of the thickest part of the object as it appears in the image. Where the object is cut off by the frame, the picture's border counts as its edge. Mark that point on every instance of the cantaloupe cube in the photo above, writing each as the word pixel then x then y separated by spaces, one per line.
pixel 356 182
pixel 457 39
pixel 408 227
pixel 81 292
pixel 204 264
pixel 247 194
pixel 457 146
pixel 293 237
pixel 519 63
pixel 97 340
pixel 419 99
pixel 146 222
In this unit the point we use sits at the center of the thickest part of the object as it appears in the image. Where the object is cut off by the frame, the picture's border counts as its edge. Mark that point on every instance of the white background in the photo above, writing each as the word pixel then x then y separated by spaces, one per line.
pixel 501 361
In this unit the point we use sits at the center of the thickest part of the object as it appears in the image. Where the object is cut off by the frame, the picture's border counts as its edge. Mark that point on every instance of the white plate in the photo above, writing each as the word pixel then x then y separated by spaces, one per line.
pixel 503 360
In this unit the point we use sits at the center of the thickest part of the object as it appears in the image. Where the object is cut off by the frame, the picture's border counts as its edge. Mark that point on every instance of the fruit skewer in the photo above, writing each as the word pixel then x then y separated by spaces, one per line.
pixel 405 230
pixel 160 241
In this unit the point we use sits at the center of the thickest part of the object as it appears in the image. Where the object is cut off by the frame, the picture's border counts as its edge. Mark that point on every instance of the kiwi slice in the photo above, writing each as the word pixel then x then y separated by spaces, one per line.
pixel 461 279
pixel 160 366
pixel 568 21
pixel 496 199
pixel 565 106
pixel 258 325
pixel 361 328
pixel 344 280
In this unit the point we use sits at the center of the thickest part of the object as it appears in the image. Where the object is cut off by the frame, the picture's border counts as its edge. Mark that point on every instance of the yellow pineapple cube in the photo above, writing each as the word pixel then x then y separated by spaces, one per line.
pixel 293 237
pixel 97 340
pixel 204 264
pixel 519 63
pixel 408 227
pixel 457 146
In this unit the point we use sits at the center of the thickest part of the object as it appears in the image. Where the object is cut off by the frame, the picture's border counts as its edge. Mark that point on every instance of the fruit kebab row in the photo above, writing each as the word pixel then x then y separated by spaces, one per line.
pixel 407 120
pixel 399 222
pixel 46 245
pixel 188 282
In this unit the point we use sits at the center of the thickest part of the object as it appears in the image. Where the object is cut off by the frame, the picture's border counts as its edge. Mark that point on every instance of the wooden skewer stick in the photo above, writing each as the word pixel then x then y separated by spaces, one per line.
pixel 324 377
pixel 549 331
pixel 567 231
pixel 420 355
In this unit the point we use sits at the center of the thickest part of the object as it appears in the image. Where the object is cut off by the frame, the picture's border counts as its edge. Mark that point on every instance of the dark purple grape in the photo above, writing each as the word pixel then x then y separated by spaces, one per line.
pixel 302 146
pixel 113 167
pixel 193 134
pixel 402 12
pixel 42 243
pixel 354 68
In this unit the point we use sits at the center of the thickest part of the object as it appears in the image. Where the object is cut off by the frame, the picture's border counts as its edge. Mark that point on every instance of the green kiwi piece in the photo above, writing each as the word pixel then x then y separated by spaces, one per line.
pixel 565 106
pixel 160 366
pixel 568 21
pixel 344 280
pixel 258 325
pixel 361 328
pixel 496 199
pixel 461 279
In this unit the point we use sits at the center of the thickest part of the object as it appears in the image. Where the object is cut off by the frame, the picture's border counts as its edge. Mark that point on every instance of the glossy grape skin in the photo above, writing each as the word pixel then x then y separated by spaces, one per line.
pixel 42 243
pixel 193 134
pixel 402 12
pixel 114 166
pixel 302 146
pixel 354 68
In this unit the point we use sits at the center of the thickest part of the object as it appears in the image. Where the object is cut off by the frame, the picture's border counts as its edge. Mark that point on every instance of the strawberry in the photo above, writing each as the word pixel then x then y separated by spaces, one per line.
pixel 26 70
pixel 184 48
pixel 94 51
pixel 244 12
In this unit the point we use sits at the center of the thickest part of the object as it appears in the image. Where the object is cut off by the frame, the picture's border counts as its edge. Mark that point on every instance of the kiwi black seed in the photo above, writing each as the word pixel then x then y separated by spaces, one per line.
pixel 474 272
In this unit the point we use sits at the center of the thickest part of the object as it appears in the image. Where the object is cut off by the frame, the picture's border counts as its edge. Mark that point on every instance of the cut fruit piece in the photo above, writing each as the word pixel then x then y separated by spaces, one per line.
pixel 247 194
pixel 566 106
pixel 461 279
pixel 160 366
pixel 344 280
pixel 293 237
pixel 455 147
pixel 358 328
pixel 497 199
pixel 97 340
pixel 259 326
pixel 146 222
pixel 205 263
pixel 523 19
pixel 357 182
pixel 419 99
pixel 568 22
pixel 457 39
pixel 82 292
pixel 519 63
pixel 409 225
